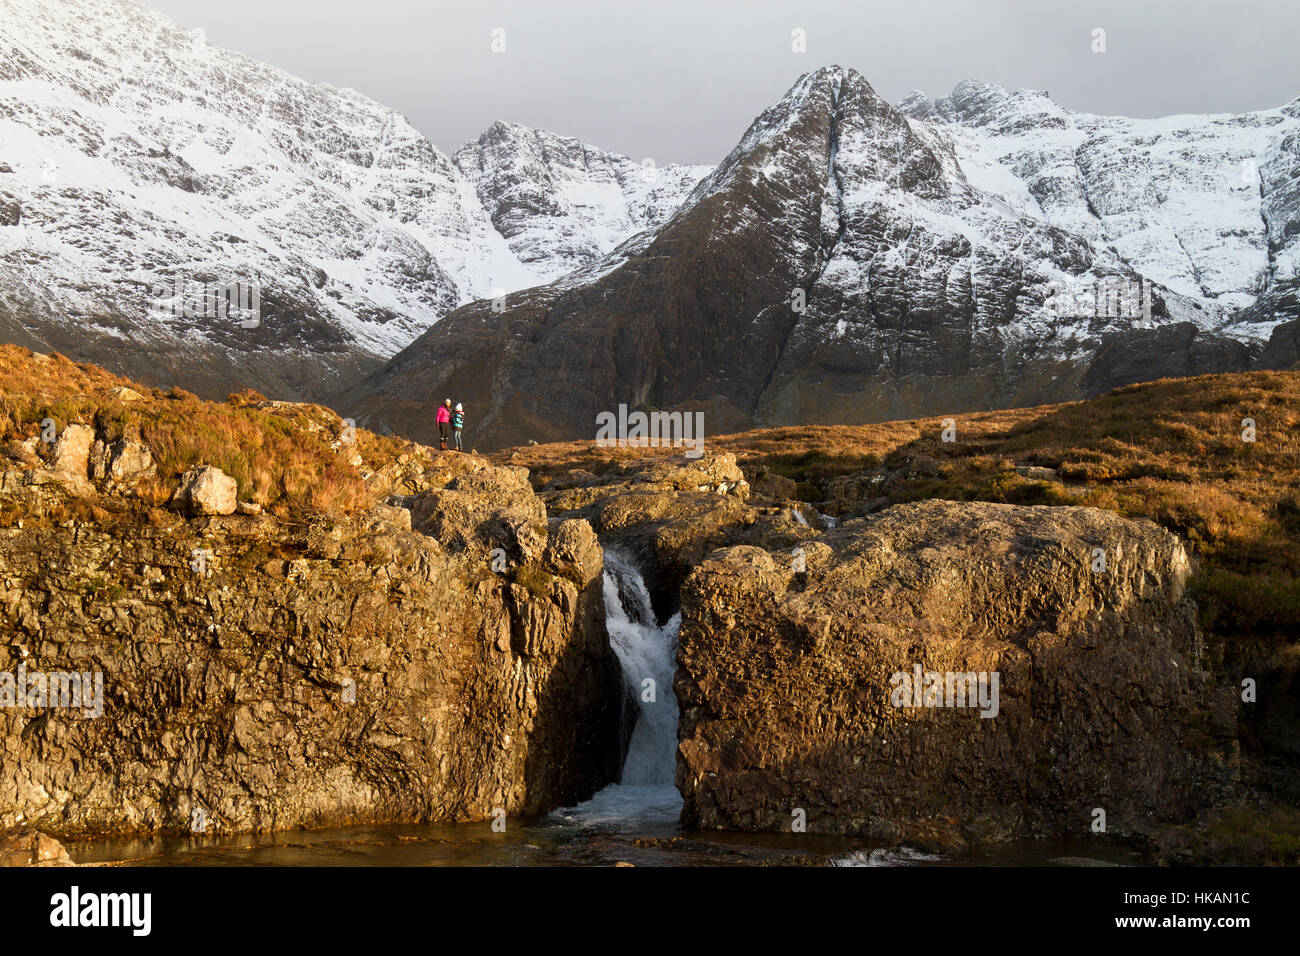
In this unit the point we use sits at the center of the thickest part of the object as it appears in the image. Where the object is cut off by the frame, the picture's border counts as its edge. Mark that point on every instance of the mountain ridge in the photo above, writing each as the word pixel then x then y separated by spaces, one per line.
pixel 916 288
pixel 211 167
pixel 943 220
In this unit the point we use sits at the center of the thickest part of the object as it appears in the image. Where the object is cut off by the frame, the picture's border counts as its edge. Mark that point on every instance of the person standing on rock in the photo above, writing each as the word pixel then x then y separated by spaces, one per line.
pixel 443 419
pixel 457 423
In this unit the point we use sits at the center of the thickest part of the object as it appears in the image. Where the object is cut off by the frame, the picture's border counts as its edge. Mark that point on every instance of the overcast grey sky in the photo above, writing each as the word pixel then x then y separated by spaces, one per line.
pixel 680 80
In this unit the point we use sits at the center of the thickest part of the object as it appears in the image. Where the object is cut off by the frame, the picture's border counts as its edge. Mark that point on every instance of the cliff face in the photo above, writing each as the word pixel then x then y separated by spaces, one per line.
pixel 790 700
pixel 262 672
pixel 1177 350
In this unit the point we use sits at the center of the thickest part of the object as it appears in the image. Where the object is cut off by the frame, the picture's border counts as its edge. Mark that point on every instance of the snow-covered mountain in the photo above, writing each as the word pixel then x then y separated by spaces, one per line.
pixel 1207 206
pixel 134 154
pixel 848 260
pixel 562 204
pixel 851 261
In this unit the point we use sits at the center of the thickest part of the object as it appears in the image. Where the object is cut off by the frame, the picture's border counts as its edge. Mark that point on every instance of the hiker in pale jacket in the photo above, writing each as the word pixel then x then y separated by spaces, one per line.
pixel 457 423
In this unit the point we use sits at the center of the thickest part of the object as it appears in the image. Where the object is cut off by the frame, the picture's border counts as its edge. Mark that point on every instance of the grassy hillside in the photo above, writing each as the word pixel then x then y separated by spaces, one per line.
pixel 284 456
pixel 1171 451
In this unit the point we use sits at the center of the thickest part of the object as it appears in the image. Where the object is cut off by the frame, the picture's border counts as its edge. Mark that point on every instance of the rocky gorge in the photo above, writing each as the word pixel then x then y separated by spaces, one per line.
pixel 790 634
pixel 427 642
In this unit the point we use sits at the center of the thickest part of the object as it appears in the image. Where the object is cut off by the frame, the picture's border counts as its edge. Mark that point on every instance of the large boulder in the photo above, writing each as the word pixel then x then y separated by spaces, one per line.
pixel 792 667
pixel 130 461
pixel 121 463
pixel 482 510
pixel 334 671
pixel 207 491
pixel 72 450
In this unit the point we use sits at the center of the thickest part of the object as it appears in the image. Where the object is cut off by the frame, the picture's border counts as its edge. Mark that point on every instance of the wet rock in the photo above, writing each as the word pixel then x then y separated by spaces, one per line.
pixel 26 847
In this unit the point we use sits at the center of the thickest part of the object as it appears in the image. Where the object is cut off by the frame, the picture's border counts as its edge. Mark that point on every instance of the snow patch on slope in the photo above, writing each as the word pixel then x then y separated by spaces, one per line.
pixel 562 204
pixel 1177 199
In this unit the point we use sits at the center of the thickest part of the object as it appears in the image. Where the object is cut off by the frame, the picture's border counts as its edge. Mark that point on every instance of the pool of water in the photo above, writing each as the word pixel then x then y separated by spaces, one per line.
pixel 620 825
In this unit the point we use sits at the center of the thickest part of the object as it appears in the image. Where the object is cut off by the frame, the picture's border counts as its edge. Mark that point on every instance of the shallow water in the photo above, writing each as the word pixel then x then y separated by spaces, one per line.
pixel 598 833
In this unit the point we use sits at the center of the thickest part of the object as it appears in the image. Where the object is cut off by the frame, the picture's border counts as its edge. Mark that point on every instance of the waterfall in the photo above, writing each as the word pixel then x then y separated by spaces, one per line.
pixel 647 652
pixel 648 655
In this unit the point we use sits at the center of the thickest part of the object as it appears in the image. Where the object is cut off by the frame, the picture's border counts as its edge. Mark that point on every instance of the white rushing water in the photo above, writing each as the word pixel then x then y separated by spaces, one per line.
pixel 647 653
pixel 886 856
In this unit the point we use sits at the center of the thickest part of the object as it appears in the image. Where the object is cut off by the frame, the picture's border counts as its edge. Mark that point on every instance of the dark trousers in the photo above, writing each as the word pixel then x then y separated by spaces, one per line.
pixel 442 432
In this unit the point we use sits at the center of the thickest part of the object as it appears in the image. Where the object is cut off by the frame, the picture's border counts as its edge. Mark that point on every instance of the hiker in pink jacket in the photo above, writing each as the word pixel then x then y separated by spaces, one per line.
pixel 444 422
